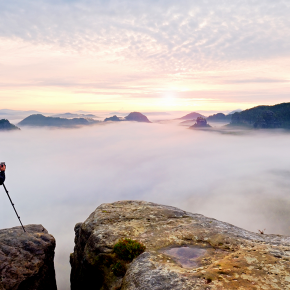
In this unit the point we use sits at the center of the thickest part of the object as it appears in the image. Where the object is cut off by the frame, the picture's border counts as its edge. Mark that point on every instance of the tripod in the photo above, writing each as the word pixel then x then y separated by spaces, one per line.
pixel 13 207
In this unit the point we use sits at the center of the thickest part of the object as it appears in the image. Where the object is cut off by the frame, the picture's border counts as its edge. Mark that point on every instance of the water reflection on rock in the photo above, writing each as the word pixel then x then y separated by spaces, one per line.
pixel 188 257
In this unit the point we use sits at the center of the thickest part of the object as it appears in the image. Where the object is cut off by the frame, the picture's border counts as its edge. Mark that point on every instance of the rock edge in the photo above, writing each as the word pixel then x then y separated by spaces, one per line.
pixel 27 259
pixel 236 258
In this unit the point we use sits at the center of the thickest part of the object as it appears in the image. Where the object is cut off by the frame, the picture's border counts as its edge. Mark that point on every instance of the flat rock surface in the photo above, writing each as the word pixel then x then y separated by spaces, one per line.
pixel 183 251
pixel 26 259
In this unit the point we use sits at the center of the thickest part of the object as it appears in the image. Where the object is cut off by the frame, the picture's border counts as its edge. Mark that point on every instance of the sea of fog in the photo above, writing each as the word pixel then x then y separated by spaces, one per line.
pixel 58 177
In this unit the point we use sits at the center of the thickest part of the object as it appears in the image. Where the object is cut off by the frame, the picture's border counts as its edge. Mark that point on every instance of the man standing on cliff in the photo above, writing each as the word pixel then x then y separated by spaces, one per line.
pixel 2 173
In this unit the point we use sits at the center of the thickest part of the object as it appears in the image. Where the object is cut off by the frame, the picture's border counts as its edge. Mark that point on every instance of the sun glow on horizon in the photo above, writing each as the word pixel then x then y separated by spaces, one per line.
pixel 149 66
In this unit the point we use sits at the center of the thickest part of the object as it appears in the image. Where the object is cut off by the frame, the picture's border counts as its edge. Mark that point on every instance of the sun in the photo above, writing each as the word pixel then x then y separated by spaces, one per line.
pixel 169 100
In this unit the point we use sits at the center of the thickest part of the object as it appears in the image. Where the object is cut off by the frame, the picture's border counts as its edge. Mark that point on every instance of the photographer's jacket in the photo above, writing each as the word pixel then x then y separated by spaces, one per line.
pixel 2 177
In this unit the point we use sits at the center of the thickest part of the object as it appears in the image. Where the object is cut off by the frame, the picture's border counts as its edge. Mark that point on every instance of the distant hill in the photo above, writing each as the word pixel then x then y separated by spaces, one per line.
pixel 235 111
pixel 16 112
pixel 70 115
pixel 40 120
pixel 5 125
pixel 277 116
pixel 219 117
pixel 113 119
pixel 187 123
pixel 134 116
pixel 138 117
pixel 191 116
pixel 200 123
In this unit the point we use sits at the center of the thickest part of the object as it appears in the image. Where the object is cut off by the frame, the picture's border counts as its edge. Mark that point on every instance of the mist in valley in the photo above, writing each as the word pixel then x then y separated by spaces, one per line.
pixel 58 177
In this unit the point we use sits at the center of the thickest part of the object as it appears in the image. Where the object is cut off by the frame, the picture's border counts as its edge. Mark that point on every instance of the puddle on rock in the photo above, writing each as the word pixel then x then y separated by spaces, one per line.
pixel 187 256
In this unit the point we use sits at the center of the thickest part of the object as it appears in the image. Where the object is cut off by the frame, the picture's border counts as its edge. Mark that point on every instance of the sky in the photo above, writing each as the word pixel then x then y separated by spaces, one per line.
pixel 58 177
pixel 161 55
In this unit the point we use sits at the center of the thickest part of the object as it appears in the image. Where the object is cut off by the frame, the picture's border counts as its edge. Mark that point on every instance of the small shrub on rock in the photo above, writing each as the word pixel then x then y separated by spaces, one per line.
pixel 127 249
pixel 119 269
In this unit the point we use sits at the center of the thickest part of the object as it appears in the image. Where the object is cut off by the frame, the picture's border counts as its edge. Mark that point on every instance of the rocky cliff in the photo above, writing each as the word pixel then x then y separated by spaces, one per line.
pixel 183 251
pixel 200 123
pixel 26 259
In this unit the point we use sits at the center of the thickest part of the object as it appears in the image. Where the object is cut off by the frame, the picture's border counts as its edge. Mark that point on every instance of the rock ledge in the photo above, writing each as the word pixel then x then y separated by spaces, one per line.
pixel 26 259
pixel 229 257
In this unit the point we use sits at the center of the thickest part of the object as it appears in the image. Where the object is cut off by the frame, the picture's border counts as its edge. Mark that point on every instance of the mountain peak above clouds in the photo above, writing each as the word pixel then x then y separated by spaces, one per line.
pixel 191 116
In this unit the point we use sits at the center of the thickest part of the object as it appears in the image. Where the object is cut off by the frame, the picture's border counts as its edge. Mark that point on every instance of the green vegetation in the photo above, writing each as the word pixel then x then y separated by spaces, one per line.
pixel 277 116
pixel 119 269
pixel 219 117
pixel 127 249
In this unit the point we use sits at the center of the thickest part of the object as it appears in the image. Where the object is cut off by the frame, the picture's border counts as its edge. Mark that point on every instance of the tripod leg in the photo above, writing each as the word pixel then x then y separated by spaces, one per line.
pixel 14 207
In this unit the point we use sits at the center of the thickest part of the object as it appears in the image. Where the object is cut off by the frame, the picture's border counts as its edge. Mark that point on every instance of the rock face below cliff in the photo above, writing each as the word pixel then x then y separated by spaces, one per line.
pixel 26 259
pixel 183 251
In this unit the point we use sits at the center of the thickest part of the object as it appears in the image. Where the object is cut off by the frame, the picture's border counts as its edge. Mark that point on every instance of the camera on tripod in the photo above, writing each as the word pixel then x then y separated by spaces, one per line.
pixel 2 179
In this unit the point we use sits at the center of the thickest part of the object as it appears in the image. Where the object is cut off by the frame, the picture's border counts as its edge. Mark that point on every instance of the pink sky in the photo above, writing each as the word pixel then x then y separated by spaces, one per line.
pixel 155 56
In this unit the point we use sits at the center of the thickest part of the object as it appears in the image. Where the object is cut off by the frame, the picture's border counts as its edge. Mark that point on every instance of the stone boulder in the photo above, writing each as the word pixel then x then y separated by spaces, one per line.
pixel 26 259
pixel 183 251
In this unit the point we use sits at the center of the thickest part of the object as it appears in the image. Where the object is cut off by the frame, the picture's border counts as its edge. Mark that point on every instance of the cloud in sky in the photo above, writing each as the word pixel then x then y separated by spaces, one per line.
pixel 158 31
pixel 157 44
pixel 259 80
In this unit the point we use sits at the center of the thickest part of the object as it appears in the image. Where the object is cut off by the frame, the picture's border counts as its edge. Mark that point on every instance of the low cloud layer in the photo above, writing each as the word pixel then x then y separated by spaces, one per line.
pixel 58 177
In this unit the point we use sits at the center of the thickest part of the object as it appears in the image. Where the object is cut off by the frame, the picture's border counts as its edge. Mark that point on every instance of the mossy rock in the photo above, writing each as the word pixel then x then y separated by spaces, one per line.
pixel 119 269
pixel 127 249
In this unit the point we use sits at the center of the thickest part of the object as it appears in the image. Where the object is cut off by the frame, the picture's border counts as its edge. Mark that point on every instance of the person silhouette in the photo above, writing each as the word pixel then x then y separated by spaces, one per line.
pixel 2 173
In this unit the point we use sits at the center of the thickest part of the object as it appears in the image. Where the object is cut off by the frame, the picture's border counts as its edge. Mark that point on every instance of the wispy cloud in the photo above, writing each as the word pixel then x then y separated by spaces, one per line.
pixel 165 33
pixel 257 80
pixel 143 49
